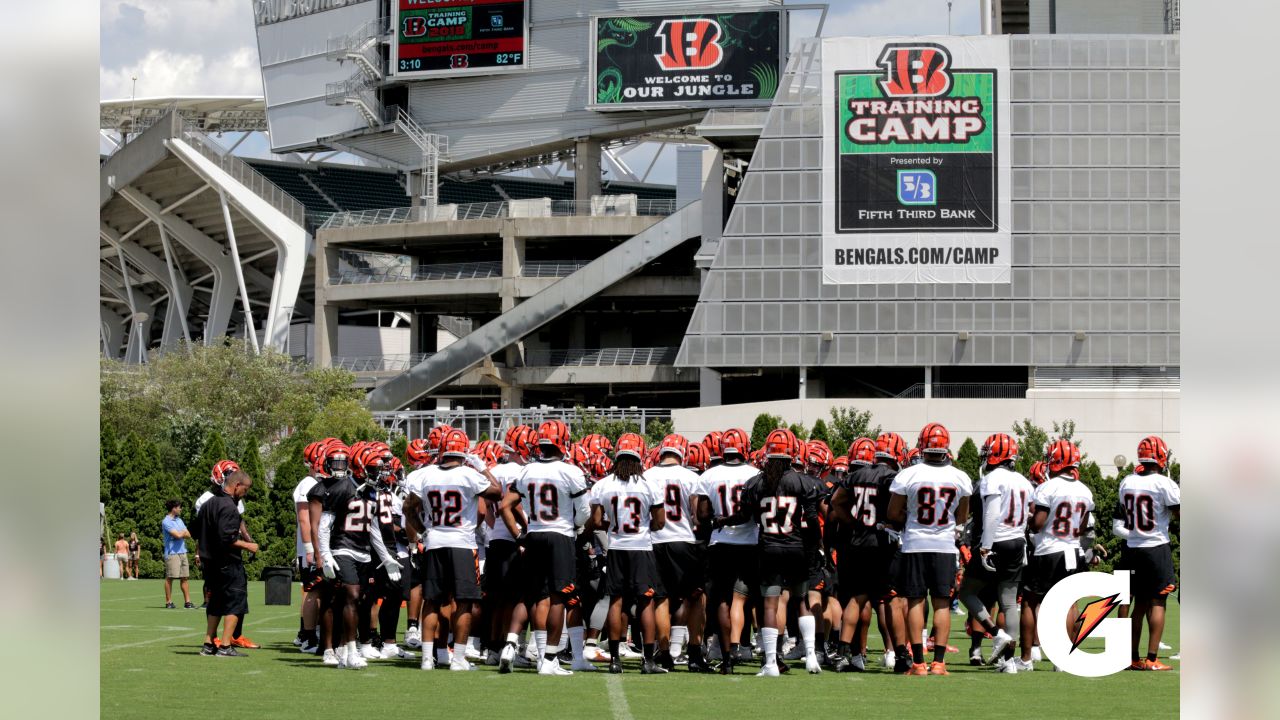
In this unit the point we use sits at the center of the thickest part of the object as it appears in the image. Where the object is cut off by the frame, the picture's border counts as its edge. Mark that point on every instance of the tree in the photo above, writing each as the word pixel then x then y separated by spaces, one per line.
pixel 820 432
pixel 135 500
pixel 196 480
pixel 586 423
pixel 760 429
pixel 260 513
pixel 1032 440
pixel 849 424
pixel 346 419
pixel 656 430
pixel 799 430
pixel 967 458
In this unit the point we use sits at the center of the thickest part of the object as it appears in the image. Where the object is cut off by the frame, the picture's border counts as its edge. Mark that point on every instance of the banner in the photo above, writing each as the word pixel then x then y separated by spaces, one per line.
pixel 695 60
pixel 916 160
pixel 435 38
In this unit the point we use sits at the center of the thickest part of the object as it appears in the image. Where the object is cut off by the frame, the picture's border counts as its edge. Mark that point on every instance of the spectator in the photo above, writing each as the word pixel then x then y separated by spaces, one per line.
pixel 175 533
pixel 122 556
pixel 102 557
pixel 135 553
pixel 220 545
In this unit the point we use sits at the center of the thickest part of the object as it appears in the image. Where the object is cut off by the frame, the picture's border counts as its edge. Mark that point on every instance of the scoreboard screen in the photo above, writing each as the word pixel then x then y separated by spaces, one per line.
pixel 435 38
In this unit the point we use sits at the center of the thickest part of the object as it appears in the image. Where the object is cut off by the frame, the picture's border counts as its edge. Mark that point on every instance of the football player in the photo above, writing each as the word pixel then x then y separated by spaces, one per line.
pixel 502 560
pixel 420 455
pixel 450 492
pixel 732 550
pixel 928 501
pixel 786 510
pixel 679 558
pixel 221 471
pixel 308 639
pixel 1000 510
pixel 861 503
pixel 1061 518
pixel 391 496
pixel 714 444
pixel 1147 500
pixel 631 508
pixel 811 464
pixel 552 495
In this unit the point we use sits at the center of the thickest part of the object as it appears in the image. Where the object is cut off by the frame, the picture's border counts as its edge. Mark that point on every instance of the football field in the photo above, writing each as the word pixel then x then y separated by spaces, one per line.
pixel 151 667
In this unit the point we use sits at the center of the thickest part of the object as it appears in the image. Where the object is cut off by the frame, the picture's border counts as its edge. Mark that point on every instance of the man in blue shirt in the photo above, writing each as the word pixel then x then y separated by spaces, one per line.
pixel 174 533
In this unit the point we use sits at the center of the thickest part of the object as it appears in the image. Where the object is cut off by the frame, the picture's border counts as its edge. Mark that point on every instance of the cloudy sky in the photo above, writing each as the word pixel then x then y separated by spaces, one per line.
pixel 207 47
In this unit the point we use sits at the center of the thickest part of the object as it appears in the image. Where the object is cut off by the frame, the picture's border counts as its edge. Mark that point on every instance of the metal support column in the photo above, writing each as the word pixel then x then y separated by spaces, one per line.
pixel 235 259
pixel 928 382
pixel 174 295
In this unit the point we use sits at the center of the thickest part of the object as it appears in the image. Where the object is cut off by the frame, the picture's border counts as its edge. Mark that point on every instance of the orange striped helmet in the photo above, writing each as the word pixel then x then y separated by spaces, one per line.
pixel 455 443
pixel 418 453
pixel 862 451
pixel 597 444
pixel 222 470
pixel 1153 451
pixel 674 443
pixel 309 454
pixel 1064 455
pixel 696 458
pixel 714 444
pixel 817 454
pixel 999 449
pixel 397 471
pixel 524 440
pixel 781 444
pixel 434 439
pixel 1038 472
pixel 736 441
pixel 492 452
pixel 578 456
pixel 631 444
pixel 891 446
pixel 934 438
pixel 912 457
pixel 598 466
pixel 554 433
pixel 840 464
pixel 337 459
pixel 757 457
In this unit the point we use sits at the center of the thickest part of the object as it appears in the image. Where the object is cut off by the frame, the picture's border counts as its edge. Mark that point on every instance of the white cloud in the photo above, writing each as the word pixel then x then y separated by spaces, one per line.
pixel 163 73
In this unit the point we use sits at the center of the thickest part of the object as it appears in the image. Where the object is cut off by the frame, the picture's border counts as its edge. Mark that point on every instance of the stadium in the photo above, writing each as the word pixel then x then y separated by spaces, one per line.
pixel 497 213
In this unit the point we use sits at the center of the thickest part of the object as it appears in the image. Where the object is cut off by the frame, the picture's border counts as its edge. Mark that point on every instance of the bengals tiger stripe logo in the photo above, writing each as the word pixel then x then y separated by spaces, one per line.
pixel 915 70
pixel 689 44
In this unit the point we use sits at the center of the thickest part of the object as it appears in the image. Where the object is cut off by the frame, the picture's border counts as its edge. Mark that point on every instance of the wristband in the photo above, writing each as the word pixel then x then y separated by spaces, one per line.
pixel 308 547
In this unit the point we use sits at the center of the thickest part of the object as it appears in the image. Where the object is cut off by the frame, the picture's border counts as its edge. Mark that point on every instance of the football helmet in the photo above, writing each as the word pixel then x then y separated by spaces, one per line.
pixel 934 438
pixel 455 443
pixel 696 458
pixel 523 439
pixel 912 457
pixel 630 444
pixel 817 455
pixel 554 433
pixel 337 460
pixel 222 470
pixel 840 464
pixel 597 444
pixel 891 446
pixel 1153 452
pixel 1064 456
pixel 1038 472
pixel 418 453
pixel 998 449
pixel 714 445
pixel 578 456
pixel 674 443
pixel 736 441
pixel 862 451
pixel 781 444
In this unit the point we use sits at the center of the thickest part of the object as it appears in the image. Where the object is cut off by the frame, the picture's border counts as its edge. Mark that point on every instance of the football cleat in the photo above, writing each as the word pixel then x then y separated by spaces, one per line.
pixel 615 666
pixel 491 658
pixel 1022 665
pixel 506 657
pixel 699 665
pixel 208 649
pixel 356 661
pixel 395 652
pixel 628 652
pixel 595 653
pixel 918 669
pixel 887 660
pixel 188 606
pixel 244 642
pixel 551 666
pixel 413 637
pixel 1155 665
pixel 582 666
pixel 1036 655
pixel 843 663
pixel 330 657
pixel 230 651
pixel 523 662
pixel 652 667
pixel 309 646
pixel 938 668
pixel 796 652
pixel 473 652
pixel 1008 667
pixel 858 663
pixel 664 659
pixel 768 671
pixel 1165 646
pixel 975 657
pixel 298 639
pixel 726 666
pixel 812 665
pixel 369 652
pixel 461 664
pixel 999 642
pixel 428 662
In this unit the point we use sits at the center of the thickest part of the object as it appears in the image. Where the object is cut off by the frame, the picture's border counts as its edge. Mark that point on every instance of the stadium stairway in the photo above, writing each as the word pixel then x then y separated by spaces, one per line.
pixel 614 266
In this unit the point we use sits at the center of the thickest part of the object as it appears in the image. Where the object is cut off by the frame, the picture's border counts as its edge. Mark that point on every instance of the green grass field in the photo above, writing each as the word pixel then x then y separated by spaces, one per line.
pixel 150 667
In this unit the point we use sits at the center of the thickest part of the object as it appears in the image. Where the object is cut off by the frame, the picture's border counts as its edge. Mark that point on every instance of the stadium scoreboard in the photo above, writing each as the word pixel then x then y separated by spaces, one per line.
pixel 441 38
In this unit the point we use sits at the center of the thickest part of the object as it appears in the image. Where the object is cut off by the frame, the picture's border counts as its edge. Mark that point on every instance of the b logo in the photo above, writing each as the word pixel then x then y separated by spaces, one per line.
pixel 915 70
pixel 414 26
pixel 1062 647
pixel 689 44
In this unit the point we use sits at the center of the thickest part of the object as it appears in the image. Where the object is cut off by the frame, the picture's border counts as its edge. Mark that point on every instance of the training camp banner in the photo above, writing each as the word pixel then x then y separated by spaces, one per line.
pixel 649 61
pixel 916 160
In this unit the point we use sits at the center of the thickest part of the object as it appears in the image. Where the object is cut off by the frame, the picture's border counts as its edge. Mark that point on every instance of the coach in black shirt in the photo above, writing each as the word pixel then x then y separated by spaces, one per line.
pixel 219 543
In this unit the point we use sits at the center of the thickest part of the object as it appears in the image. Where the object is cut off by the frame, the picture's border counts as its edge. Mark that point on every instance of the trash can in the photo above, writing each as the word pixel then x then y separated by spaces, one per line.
pixel 110 567
pixel 279 581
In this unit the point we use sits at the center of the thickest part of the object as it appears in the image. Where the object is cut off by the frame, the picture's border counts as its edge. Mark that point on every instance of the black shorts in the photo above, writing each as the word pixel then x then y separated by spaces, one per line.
pixel 1007 556
pixel 733 569
pixel 926 573
pixel 309 574
pixel 782 568
pixel 633 574
pixel 680 568
pixel 393 591
pixel 863 571
pixel 501 579
pixel 417 568
pixel 228 589
pixel 1044 571
pixel 549 565
pixel 1152 567
pixel 354 572
pixel 451 573
pixel 817 580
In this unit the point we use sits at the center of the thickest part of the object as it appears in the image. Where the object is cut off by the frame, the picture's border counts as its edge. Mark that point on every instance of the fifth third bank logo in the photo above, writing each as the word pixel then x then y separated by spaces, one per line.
pixel 1062 644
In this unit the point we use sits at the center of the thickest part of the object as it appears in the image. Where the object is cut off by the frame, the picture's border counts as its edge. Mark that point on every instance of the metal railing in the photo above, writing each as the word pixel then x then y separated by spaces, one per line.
pixel 243 173
pixel 379 363
pixel 543 268
pixel 660 207
pixel 495 423
pixel 734 117
pixel 442 271
pixel 601 357
pixel 968 391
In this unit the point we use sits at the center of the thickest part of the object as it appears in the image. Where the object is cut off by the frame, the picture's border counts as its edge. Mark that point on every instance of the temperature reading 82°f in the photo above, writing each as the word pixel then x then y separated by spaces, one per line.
pixel 507 58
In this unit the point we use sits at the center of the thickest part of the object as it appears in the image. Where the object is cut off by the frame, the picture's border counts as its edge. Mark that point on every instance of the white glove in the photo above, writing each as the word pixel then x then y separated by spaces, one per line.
pixel 985 556
pixel 476 462
pixel 895 537
pixel 328 566
pixel 393 571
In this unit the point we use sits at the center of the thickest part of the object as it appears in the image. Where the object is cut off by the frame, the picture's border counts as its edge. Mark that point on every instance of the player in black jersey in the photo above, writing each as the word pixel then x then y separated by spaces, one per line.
pixel 787 512
pixel 861 503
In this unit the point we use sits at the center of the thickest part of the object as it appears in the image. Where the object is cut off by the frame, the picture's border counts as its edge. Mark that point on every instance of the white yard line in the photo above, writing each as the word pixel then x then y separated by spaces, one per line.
pixel 617 698
pixel 167 638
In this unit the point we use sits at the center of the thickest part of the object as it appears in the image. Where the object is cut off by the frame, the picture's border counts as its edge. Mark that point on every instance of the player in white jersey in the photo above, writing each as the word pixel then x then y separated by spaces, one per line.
pixel 308 639
pixel 631 508
pixel 502 576
pixel 1000 510
pixel 1062 510
pixel 928 501
pixel 734 565
pixel 1148 499
pixel 681 614
pixel 552 494
pixel 451 492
